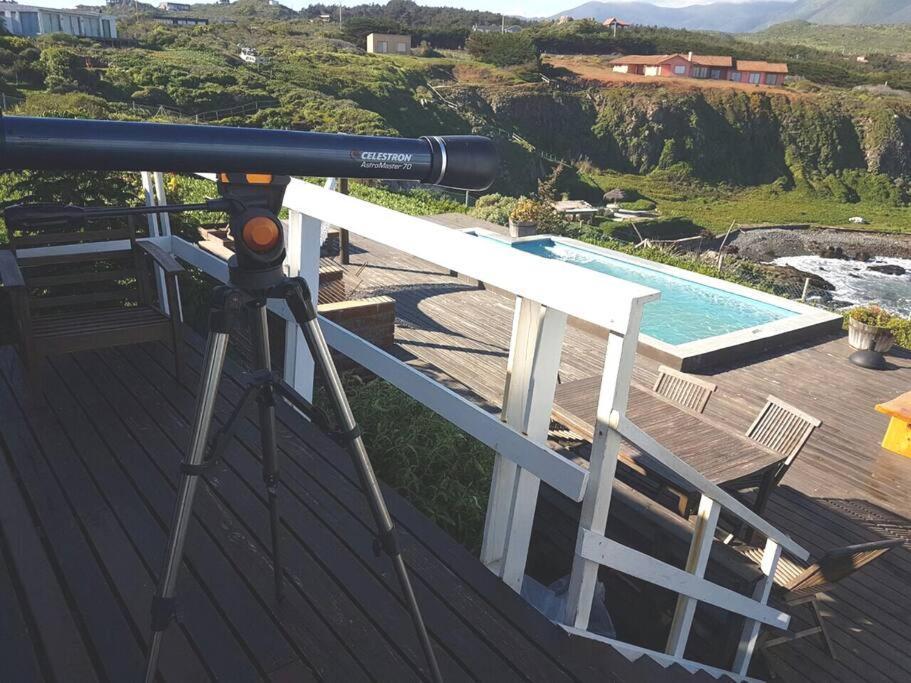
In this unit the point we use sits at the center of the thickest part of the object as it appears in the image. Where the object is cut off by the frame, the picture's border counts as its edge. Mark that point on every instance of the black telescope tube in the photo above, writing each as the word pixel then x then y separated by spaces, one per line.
pixel 467 162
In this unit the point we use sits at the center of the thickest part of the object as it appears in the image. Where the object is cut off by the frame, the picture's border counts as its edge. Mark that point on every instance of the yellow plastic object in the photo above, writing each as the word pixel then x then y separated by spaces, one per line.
pixel 898 434
pixel 898 437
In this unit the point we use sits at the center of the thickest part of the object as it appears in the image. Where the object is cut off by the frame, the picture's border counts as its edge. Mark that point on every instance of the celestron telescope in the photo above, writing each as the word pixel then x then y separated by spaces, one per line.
pixel 252 167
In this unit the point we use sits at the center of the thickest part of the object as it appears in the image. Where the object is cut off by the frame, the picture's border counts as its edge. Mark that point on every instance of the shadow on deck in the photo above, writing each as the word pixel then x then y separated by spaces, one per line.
pixel 87 481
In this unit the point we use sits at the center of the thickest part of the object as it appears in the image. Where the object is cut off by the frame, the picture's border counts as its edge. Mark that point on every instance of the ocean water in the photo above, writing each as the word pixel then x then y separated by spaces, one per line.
pixel 687 311
pixel 856 284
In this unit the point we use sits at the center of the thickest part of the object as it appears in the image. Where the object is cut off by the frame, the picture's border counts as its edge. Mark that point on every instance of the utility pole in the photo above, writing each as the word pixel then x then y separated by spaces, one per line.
pixel 339 15
pixel 502 23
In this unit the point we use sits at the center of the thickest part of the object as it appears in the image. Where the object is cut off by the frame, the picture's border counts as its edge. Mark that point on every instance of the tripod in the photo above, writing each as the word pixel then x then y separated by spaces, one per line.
pixel 228 302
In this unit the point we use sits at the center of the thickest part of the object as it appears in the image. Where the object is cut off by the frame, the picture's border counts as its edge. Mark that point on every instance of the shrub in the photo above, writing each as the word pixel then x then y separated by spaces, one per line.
pixel 494 208
pixel 502 49
pixel 443 471
pixel 638 205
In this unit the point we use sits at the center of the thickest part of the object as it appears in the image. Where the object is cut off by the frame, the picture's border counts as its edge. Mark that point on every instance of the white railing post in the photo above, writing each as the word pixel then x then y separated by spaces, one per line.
pixel 302 245
pixel 696 562
pixel 618 370
pixel 159 226
pixel 528 396
pixel 526 327
pixel 761 592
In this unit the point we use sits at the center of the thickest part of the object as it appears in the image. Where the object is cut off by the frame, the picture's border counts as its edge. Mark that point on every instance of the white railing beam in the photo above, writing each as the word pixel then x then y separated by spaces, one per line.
pixel 696 563
pixel 604 551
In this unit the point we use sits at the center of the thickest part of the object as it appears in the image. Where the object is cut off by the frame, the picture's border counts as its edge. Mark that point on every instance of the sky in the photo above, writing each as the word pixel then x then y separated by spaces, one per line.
pixel 526 8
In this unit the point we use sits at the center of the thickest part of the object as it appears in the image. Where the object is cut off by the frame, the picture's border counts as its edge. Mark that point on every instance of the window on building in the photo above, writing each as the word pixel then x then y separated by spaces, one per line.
pixel 29 23
pixel 106 28
pixel 771 79
pixel 735 76
pixel 716 74
pixel 700 72
pixel 680 69
pixel 401 47
pixel 754 79
pixel 382 46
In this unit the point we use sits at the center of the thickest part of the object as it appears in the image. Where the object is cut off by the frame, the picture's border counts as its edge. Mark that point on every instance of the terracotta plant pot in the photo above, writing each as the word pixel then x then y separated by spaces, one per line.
pixel 522 228
pixel 865 337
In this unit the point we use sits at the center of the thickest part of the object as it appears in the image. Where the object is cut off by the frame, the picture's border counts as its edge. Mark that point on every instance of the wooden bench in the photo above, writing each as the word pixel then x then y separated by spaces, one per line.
pixel 98 294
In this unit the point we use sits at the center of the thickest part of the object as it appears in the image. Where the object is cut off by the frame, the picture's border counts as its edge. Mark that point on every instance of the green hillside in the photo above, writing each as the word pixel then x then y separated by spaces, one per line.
pixel 819 153
pixel 889 39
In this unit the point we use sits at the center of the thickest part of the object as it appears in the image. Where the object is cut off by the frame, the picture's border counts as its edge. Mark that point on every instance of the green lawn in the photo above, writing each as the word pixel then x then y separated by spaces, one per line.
pixel 715 208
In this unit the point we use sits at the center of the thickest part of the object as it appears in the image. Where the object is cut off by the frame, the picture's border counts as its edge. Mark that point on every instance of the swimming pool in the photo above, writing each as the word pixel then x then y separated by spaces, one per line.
pixel 687 311
pixel 698 321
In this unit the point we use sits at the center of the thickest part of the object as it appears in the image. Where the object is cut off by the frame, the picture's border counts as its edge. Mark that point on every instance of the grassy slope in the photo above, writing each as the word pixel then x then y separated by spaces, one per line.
pixel 854 40
pixel 716 208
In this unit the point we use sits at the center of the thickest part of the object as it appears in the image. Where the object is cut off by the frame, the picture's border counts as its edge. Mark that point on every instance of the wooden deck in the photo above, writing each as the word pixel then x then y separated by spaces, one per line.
pixel 88 471
pixel 843 489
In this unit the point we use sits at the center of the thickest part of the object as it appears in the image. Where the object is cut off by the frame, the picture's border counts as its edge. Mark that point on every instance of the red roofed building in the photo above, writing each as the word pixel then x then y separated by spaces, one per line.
pixel 614 23
pixel 714 67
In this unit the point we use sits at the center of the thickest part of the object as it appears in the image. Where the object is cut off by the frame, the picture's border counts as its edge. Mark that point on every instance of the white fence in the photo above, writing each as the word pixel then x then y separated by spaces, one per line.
pixel 546 293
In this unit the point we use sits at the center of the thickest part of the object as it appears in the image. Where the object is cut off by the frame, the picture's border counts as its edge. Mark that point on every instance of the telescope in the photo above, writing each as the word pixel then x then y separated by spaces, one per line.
pixel 465 162
pixel 252 169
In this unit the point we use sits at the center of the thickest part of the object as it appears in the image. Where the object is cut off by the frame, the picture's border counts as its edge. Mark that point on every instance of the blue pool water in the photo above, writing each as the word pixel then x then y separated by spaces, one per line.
pixel 687 311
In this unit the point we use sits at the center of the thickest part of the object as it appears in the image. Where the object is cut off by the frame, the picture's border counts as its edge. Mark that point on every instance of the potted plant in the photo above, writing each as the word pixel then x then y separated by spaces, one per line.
pixel 870 329
pixel 523 219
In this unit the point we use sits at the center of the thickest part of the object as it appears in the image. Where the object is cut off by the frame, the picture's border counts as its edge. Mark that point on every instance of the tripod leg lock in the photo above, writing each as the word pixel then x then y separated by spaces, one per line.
pixel 346 438
pixel 387 542
pixel 197 470
pixel 163 612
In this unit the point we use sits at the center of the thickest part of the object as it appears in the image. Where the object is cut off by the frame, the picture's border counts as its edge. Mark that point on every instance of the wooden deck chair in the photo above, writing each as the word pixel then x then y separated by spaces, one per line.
pixel 685 390
pixel 799 584
pixel 98 294
pixel 784 429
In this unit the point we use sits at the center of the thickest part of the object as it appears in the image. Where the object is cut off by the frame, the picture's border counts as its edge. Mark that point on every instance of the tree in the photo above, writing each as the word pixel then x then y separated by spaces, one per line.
pixel 502 49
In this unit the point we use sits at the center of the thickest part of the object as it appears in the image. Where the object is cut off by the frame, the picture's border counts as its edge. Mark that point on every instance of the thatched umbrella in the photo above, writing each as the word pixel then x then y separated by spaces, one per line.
pixel 616 195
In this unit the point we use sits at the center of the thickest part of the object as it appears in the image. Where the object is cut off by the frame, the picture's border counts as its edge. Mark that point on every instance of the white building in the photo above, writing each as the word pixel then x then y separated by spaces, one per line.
pixel 26 20
pixel 174 7
pixel 388 43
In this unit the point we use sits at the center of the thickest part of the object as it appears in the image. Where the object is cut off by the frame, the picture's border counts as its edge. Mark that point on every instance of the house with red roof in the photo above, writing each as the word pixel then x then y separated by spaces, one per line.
pixel 713 67
pixel 614 23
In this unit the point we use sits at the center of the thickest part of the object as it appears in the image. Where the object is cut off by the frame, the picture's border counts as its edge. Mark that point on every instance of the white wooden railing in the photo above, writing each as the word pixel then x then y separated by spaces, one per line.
pixel 546 292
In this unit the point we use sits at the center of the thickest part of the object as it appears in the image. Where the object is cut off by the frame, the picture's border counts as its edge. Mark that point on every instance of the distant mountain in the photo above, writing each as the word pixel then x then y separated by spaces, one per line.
pixel 730 17
pixel 752 16
pixel 852 11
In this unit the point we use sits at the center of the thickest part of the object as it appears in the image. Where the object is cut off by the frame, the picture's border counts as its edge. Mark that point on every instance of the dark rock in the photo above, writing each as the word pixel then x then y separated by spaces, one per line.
pixel 888 269
pixel 834 252
pixel 793 278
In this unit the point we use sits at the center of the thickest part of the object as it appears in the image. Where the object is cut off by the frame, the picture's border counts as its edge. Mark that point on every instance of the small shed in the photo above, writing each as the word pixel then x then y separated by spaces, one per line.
pixel 388 43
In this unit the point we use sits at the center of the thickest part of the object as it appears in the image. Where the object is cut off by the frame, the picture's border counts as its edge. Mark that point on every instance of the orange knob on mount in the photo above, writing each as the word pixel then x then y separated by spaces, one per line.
pixel 260 234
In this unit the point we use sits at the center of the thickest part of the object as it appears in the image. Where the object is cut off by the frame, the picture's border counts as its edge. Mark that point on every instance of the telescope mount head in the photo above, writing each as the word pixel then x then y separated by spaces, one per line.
pixel 259 237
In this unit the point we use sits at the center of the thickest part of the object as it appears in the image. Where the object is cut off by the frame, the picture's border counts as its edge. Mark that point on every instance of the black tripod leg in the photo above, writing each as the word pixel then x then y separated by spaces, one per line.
pixel 260 329
pixel 297 295
pixel 216 346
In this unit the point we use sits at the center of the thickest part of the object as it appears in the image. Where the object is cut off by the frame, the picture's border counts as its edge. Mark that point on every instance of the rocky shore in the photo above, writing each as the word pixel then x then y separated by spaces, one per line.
pixel 766 244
